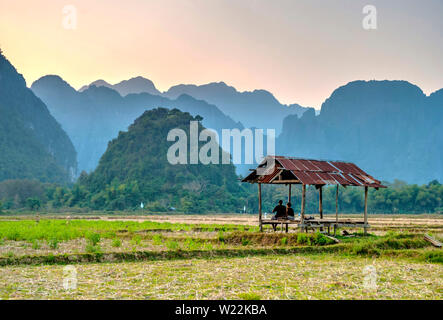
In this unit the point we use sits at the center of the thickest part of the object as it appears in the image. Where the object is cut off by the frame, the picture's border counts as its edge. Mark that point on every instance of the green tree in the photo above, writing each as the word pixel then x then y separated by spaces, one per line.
pixel 33 203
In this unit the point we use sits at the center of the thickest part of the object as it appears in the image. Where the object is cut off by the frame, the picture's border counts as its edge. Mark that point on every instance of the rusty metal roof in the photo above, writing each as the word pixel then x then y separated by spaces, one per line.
pixel 311 172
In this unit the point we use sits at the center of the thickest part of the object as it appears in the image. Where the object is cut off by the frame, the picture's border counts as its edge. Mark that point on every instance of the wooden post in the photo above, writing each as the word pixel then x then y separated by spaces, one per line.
pixel 320 201
pixel 289 195
pixel 320 205
pixel 366 210
pixel 302 211
pixel 259 208
pixel 336 205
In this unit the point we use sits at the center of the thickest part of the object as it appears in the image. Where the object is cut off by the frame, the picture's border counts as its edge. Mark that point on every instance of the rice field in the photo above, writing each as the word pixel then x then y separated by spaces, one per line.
pixel 219 257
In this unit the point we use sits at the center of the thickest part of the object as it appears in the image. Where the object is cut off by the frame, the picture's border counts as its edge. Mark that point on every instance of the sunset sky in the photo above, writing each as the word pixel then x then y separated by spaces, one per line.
pixel 298 50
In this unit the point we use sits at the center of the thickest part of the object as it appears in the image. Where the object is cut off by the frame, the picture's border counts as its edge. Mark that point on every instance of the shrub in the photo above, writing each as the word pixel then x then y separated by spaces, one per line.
pixel 434 256
pixel 245 241
pixel 191 244
pixel 53 243
pixel 92 249
pixel 284 241
pixel 94 238
pixel 116 243
pixel 221 236
pixel 172 245
pixel 136 240
pixel 320 239
pixel 157 239
pixel 302 238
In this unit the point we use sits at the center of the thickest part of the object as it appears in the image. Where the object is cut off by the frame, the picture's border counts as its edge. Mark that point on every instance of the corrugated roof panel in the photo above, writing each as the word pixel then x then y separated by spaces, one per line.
pixel 316 172
pixel 288 165
pixel 324 166
pixel 351 180
pixel 327 178
pixel 299 164
pixel 345 167
pixel 357 170
pixel 310 165
pixel 306 177
pixel 339 178
pixel 268 178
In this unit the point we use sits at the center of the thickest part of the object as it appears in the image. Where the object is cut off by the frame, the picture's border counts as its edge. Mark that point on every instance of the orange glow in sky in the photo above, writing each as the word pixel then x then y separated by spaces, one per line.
pixel 298 50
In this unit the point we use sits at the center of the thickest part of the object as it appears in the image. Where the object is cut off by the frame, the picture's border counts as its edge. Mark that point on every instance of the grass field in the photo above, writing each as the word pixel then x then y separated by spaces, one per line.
pixel 216 257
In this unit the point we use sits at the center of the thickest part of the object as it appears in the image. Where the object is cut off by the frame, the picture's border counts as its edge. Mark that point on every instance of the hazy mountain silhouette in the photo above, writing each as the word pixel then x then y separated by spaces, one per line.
pixel 136 161
pixel 125 87
pixel 258 108
pixel 32 143
pixel 94 116
pixel 389 128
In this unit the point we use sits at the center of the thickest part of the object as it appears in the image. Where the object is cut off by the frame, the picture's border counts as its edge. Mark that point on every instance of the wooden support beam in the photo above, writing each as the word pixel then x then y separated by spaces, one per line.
pixel 320 201
pixel 289 194
pixel 366 210
pixel 259 208
pixel 336 204
pixel 303 200
pixel 433 241
pixel 332 238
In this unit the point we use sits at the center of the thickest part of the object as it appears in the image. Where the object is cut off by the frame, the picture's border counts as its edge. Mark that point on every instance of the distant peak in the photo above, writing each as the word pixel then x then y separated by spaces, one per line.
pixel 53 80
pixel 99 83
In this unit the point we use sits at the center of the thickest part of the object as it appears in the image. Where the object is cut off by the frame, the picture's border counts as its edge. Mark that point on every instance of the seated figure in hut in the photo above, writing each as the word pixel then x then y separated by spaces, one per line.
pixel 289 212
pixel 280 212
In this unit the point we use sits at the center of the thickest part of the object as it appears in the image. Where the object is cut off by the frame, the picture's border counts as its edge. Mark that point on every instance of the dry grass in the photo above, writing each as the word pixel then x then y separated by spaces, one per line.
pixel 188 261
pixel 270 277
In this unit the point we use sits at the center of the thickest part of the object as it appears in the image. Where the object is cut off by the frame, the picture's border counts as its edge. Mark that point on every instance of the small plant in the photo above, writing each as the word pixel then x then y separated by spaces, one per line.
pixel 320 239
pixel 302 238
pixel 94 238
pixel 157 239
pixel 191 244
pixel 35 244
pixel 172 245
pixel 221 236
pixel 53 243
pixel 116 243
pixel 136 240
pixel 92 249
pixel 208 246
pixel 284 241
pixel 245 241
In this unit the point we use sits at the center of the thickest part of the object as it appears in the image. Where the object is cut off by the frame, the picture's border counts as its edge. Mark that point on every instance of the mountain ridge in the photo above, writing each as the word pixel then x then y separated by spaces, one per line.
pixel 33 144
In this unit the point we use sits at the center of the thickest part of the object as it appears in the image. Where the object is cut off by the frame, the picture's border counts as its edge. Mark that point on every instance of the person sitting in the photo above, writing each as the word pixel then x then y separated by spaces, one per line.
pixel 289 212
pixel 280 210
pixel 280 213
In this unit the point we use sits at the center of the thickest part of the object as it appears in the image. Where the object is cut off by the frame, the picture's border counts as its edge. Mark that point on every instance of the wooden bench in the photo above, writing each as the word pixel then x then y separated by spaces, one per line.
pixel 316 223
pixel 282 222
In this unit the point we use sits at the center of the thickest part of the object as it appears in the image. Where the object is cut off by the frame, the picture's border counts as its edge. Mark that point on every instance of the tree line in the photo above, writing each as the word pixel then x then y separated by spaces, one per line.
pixel 399 197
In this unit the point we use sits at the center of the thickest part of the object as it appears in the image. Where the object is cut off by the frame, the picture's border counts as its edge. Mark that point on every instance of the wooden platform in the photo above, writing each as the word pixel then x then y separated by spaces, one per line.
pixel 318 223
